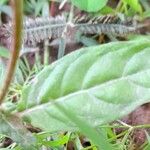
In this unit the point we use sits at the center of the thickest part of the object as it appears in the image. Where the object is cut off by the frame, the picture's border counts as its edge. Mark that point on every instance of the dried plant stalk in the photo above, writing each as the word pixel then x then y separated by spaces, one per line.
pixel 39 29
pixel 17 6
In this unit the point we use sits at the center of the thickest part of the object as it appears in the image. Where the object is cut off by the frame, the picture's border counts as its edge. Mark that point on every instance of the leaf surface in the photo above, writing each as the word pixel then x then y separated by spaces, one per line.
pixel 134 4
pixel 2 72
pixel 98 84
pixel 90 5
pixel 12 127
pixel 4 52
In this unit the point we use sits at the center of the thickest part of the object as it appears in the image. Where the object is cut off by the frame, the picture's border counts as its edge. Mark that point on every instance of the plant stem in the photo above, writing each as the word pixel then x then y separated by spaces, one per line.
pixel 46 53
pixel 126 127
pixel 17 6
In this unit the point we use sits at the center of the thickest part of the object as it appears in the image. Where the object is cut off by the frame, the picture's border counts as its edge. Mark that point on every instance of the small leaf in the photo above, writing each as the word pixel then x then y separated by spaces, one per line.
pixel 12 127
pixel 107 10
pixel 2 2
pixel 134 4
pixel 59 142
pixel 90 5
pixel 6 9
pixel 4 52
pixel 2 72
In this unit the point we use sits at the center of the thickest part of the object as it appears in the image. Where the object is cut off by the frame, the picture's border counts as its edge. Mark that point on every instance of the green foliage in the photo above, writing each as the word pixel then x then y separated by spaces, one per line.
pixel 3 2
pixel 2 72
pixel 98 137
pixel 4 52
pixel 60 141
pixel 90 5
pixel 12 127
pixel 134 4
pixel 148 145
pixel 35 6
pixel 5 8
pixel 93 83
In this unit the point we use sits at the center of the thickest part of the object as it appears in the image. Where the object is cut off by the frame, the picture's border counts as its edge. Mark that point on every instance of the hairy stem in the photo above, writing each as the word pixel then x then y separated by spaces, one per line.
pixel 17 6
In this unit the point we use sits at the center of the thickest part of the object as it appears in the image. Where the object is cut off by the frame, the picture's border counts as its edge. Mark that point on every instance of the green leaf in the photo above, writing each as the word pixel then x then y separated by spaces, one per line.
pixel 90 5
pixel 2 2
pixel 107 10
pixel 6 9
pixel 12 127
pixel 134 4
pixel 59 142
pixel 147 14
pixel 148 144
pixel 4 52
pixel 2 72
pixel 98 137
pixel 98 84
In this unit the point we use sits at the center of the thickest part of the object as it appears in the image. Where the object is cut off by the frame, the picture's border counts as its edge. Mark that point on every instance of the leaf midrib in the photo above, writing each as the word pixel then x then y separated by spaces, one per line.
pixel 83 91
